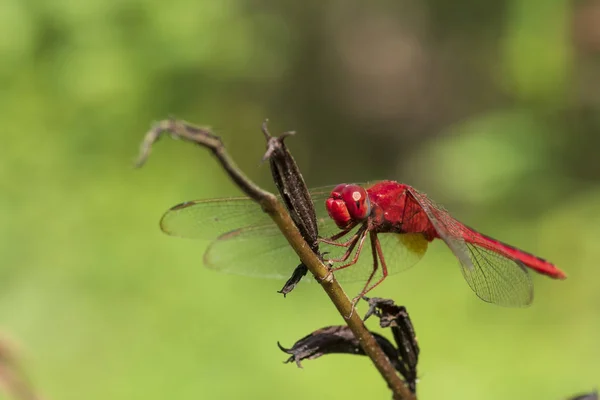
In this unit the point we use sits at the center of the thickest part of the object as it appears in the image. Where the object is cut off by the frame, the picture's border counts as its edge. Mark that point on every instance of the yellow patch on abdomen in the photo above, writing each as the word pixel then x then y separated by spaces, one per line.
pixel 414 242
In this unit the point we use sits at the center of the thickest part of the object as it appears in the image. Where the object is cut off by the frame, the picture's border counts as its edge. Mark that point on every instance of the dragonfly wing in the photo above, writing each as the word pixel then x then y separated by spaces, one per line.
pixel 448 229
pixel 207 219
pixel 493 277
pixel 263 252
pixel 247 241
pixel 260 251
pixel 498 279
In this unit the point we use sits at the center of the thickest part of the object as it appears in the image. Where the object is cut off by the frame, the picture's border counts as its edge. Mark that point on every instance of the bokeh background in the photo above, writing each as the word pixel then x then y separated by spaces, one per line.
pixel 490 107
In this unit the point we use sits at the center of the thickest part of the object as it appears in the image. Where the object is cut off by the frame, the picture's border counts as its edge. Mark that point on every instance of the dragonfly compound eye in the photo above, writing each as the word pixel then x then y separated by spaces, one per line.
pixel 337 210
pixel 357 202
pixel 336 193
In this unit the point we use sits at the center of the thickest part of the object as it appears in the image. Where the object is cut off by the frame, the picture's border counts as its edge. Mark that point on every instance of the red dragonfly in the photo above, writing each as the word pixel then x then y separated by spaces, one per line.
pixel 398 220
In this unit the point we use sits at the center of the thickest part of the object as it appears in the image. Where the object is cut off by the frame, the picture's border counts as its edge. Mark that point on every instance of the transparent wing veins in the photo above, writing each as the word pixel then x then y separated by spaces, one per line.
pixel 495 278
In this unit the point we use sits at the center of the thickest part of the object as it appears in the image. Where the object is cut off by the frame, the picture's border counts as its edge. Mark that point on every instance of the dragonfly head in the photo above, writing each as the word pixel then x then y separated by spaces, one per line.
pixel 348 205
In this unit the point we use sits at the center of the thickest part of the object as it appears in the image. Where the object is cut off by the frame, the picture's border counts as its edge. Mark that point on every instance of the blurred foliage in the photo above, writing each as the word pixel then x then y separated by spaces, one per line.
pixel 492 107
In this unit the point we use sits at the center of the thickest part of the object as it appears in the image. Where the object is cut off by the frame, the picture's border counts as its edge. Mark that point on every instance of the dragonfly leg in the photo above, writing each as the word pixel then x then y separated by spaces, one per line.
pixel 351 245
pixel 360 240
pixel 356 299
pixel 377 254
pixel 348 252
pixel 333 240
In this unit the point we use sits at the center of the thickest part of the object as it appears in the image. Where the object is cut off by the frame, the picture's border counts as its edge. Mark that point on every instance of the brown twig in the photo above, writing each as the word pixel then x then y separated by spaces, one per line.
pixel 276 210
pixel 13 378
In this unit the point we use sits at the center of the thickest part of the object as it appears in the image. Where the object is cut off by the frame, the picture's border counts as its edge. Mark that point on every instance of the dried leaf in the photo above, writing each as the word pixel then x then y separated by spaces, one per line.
pixel 291 283
pixel 397 318
pixel 334 339
pixel 586 396
pixel 295 195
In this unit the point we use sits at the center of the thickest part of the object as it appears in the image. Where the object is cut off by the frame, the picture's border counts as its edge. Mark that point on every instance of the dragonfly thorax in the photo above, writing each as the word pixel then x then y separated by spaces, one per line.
pixel 348 205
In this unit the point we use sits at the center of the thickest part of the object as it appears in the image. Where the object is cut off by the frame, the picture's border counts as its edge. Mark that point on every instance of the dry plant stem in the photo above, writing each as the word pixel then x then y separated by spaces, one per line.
pixel 280 216
pixel 13 378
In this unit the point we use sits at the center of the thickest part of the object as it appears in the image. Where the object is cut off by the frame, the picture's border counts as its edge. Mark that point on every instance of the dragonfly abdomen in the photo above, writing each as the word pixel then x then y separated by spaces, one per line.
pixel 538 264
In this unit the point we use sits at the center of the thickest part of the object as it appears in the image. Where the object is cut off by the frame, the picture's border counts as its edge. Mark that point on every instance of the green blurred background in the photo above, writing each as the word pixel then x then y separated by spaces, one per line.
pixel 490 107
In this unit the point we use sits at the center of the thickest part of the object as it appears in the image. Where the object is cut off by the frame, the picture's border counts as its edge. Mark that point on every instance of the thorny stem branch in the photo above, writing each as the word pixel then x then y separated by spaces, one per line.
pixel 276 210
